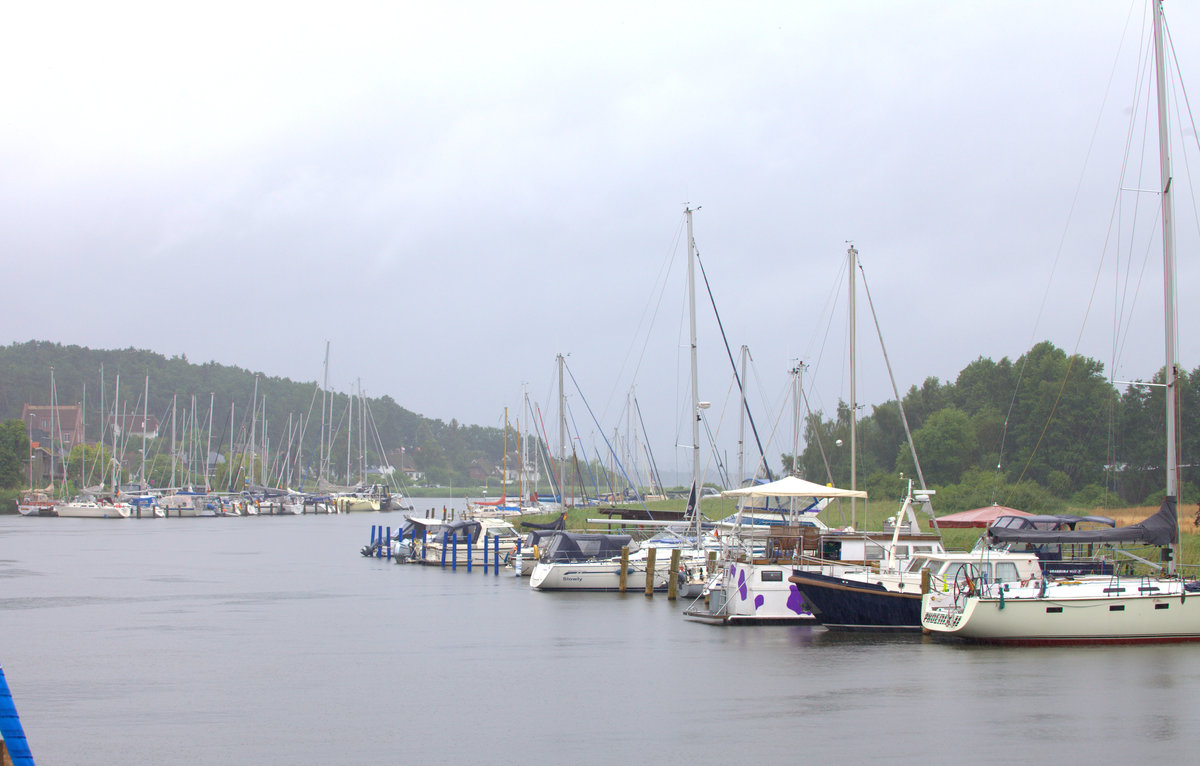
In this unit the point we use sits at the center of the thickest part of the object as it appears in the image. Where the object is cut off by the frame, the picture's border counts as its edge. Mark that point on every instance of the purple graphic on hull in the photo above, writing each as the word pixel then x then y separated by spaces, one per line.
pixel 795 601
pixel 759 601
pixel 742 590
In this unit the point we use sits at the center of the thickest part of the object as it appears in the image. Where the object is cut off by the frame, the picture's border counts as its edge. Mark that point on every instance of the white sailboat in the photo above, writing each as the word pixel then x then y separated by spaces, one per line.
pixel 605 573
pixel 1095 609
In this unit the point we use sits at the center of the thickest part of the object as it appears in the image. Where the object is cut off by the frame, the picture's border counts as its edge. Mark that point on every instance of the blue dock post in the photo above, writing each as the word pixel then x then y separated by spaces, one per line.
pixel 10 727
pixel 485 556
pixel 470 553
pixel 372 537
pixel 495 556
pixel 454 551
pixel 387 540
pixel 445 543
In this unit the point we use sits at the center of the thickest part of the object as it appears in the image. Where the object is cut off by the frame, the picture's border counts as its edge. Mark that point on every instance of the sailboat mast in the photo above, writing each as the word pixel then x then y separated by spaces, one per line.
pixel 853 254
pixel 83 441
pixel 694 368
pixel 145 415
pixel 174 443
pixel 797 386
pixel 741 442
pixel 53 411
pixel 562 433
pixel 324 406
pixel 1169 298
pixel 116 465
pixel 504 463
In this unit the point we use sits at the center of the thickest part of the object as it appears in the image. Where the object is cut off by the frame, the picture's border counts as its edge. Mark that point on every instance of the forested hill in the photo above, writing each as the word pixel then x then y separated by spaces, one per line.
pixel 1040 433
pixel 25 379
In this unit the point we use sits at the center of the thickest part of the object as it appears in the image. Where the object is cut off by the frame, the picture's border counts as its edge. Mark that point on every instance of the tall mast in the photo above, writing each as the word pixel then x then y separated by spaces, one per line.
pixel 229 484
pixel 208 445
pixel 100 441
pixel 174 448
pixel 253 422
pixel 797 387
pixel 695 510
pixel 53 411
pixel 83 441
pixel 562 433
pixel 741 474
pixel 853 254
pixel 1169 298
pixel 504 463
pixel 116 461
pixel 324 406
pixel 145 414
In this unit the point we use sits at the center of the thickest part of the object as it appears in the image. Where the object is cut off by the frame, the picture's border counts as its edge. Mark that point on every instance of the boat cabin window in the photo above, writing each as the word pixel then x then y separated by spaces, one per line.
pixel 917 564
pixel 771 575
pixel 901 551
pixel 1006 571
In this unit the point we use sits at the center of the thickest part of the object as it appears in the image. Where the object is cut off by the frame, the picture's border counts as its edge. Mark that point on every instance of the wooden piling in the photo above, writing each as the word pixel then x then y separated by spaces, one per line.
pixel 673 576
pixel 650 570
pixel 624 567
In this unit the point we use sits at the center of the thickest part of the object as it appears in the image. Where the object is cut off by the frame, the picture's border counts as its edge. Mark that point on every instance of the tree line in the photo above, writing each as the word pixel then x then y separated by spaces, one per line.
pixel 444 450
pixel 1042 433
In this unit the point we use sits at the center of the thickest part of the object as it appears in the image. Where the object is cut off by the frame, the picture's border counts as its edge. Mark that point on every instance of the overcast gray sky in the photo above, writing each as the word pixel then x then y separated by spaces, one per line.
pixel 453 193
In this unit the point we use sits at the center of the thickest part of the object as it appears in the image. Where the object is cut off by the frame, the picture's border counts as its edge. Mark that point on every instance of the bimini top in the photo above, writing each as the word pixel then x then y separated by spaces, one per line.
pixel 1047 523
pixel 583 546
pixel 1159 529
pixel 463 530
pixel 790 486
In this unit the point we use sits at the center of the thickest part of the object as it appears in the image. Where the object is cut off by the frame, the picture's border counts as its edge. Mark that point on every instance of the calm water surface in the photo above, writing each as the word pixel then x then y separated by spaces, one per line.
pixel 271 641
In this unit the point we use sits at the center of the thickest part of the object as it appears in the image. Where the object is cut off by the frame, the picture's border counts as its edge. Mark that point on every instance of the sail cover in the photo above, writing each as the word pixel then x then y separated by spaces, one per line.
pixel 1158 529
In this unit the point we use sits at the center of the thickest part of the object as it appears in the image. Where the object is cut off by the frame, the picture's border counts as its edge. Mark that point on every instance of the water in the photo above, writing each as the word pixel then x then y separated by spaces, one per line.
pixel 271 641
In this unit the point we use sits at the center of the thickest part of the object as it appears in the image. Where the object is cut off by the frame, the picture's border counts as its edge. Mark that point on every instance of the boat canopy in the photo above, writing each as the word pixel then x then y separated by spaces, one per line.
pixel 467 531
pixel 1159 529
pixel 583 546
pixel 559 523
pixel 791 486
pixel 1048 522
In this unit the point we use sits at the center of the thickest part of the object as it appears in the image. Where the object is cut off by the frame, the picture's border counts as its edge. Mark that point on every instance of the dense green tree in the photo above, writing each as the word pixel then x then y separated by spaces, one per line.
pixel 945 444
pixel 14 453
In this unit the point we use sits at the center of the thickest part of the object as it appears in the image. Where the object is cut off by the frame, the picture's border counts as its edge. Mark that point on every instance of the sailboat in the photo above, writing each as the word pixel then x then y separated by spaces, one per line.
pixel 1093 609
pixel 604 573
pixel 754 584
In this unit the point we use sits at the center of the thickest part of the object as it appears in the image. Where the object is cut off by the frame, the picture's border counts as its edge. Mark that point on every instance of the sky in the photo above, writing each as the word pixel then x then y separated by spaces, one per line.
pixel 452 194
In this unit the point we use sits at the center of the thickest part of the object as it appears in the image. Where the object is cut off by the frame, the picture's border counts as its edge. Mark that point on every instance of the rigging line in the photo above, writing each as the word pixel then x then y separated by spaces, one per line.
pixel 611 451
pixel 664 276
pixel 831 305
pixel 579 438
pixel 1191 121
pixel 554 480
pixel 637 410
pixel 1059 251
pixel 729 353
pixel 887 363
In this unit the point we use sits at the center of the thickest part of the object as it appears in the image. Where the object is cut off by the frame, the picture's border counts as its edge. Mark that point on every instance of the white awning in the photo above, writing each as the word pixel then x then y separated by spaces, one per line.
pixel 790 486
